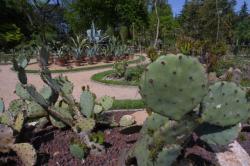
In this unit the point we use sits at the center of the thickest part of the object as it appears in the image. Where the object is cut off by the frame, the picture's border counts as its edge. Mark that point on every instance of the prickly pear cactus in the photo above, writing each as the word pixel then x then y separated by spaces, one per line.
pixel 21 92
pixel 173 85
pixel 106 102
pixel 46 92
pixel 66 85
pixel 65 113
pixel 6 138
pixel 16 106
pixel 98 109
pixel 168 155
pixel 225 105
pixel 18 124
pixel 77 149
pixel 218 136
pixel 35 110
pixel 84 124
pixel 87 102
pixel 26 153
pixel 1 106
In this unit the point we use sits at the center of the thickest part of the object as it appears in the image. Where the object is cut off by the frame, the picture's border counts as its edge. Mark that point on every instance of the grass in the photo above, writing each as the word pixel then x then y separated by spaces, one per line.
pixel 140 59
pixel 128 104
pixel 99 77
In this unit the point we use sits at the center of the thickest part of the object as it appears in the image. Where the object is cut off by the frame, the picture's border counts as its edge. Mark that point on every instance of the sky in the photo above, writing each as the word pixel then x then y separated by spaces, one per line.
pixel 177 5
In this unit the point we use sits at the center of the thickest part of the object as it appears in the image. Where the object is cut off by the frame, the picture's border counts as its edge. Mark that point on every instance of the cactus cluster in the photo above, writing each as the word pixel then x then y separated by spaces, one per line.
pixel 175 89
pixel 53 103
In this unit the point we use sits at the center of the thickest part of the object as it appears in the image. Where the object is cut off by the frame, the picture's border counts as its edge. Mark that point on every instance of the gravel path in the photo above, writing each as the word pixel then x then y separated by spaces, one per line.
pixel 8 80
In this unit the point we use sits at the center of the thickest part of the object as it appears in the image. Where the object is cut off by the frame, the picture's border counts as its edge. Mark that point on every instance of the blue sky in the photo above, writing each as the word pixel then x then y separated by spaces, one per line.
pixel 177 5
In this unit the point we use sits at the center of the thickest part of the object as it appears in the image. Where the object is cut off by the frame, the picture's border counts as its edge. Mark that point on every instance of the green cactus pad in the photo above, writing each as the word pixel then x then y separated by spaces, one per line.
pixel 141 152
pixel 26 153
pixel 175 132
pixel 87 102
pixel 66 85
pixel 64 113
pixel 225 105
pixel 35 110
pixel 98 109
pixel 16 106
pixel 37 97
pixel 6 118
pixel 22 61
pixel 84 124
pixel 153 122
pixel 168 155
pixel 78 150
pixel 219 136
pixel 18 124
pixel 22 76
pixel 106 102
pixel 46 92
pixel 22 93
pixel 173 85
pixel 1 106
pixel 6 138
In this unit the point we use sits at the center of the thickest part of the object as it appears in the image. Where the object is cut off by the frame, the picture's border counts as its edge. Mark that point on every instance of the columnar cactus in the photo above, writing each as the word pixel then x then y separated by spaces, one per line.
pixel 173 87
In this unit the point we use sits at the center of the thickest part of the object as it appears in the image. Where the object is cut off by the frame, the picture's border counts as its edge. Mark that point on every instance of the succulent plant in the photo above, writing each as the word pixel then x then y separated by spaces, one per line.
pixel 1 106
pixel 120 68
pixel 164 85
pixel 25 151
pixel 173 87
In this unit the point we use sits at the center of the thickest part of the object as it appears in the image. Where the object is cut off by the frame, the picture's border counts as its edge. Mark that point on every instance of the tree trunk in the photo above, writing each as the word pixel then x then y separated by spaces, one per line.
pixel 158 24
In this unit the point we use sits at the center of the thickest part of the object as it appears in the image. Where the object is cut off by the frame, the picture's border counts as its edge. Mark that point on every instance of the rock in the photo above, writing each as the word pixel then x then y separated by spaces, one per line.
pixel 235 156
pixel 140 117
pixel 127 120
pixel 212 77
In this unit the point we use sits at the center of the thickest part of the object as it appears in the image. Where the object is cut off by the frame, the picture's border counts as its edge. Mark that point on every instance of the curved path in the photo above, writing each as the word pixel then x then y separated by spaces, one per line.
pixel 8 80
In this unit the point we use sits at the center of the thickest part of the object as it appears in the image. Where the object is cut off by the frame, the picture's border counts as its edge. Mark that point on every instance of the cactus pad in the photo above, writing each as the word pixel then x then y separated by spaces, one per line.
pixel 16 106
pixel 98 109
pixel 6 118
pixel 153 122
pixel 46 92
pixel 26 153
pixel 21 92
pixel 65 113
pixel 225 105
pixel 22 61
pixel 35 110
pixel 18 124
pixel 1 106
pixel 173 85
pixel 84 124
pixel 106 102
pixel 6 138
pixel 87 102
pixel 168 155
pixel 78 150
pixel 219 136
pixel 66 85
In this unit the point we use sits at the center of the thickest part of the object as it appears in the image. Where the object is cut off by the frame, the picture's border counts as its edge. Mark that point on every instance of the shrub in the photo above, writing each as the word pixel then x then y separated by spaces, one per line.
pixel 152 54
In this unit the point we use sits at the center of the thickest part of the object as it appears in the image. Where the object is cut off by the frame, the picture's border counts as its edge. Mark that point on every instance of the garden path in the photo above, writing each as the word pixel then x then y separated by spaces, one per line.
pixel 8 80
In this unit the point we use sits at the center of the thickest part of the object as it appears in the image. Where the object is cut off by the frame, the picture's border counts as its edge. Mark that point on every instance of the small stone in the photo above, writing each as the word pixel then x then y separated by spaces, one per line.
pixel 127 120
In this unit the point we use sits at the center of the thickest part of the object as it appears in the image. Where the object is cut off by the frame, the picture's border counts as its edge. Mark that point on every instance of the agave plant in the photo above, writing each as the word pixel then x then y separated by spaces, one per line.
pixel 78 44
pixel 94 35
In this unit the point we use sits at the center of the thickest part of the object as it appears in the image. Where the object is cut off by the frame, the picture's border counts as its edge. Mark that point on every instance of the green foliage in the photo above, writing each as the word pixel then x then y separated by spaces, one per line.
pixel 87 102
pixel 98 137
pixel 134 74
pixel 120 68
pixel 152 54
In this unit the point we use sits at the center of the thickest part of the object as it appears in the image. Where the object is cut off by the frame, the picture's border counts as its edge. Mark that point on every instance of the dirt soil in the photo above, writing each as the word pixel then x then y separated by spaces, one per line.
pixel 53 148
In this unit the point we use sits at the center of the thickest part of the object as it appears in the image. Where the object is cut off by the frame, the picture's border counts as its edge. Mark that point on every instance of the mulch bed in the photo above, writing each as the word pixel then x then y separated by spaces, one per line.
pixel 53 148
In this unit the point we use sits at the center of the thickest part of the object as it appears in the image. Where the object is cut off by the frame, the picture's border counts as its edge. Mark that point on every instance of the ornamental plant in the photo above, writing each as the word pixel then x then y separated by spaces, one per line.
pixel 181 104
